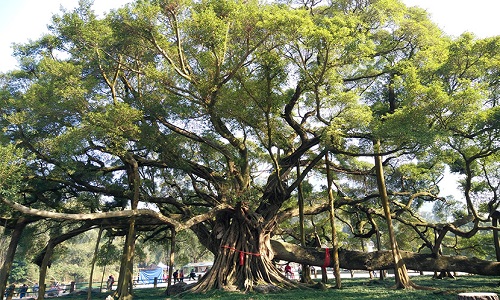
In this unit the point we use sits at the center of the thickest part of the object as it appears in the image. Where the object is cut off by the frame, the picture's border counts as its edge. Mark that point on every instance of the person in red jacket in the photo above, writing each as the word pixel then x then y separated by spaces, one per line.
pixel 288 271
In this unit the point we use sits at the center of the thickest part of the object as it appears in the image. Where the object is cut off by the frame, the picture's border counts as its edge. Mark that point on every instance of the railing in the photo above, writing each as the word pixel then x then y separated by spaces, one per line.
pixel 60 289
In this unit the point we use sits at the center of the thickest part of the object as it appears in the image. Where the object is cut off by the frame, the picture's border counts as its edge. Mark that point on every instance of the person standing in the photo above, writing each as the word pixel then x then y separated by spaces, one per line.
pixel 192 275
pixel 35 289
pixel 23 290
pixel 313 271
pixel 176 275
pixel 109 283
pixel 288 271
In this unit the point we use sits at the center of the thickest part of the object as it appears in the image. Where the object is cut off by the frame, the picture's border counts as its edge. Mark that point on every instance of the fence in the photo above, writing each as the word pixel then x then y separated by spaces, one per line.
pixel 60 289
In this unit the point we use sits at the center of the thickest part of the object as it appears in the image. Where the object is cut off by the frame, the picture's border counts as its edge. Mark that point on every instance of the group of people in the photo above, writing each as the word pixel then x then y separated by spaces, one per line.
pixel 23 291
pixel 178 275
pixel 290 274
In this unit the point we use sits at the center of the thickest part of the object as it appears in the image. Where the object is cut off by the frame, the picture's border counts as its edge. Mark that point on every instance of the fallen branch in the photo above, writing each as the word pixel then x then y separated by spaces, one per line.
pixel 382 260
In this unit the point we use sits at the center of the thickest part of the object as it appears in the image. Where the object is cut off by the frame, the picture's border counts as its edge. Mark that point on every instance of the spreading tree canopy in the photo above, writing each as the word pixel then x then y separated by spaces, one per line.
pixel 167 115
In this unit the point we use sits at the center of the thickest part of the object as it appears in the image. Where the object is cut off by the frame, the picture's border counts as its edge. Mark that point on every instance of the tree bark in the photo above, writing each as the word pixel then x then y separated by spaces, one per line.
pixel 124 285
pixel 382 272
pixel 331 201
pixel 11 251
pixel 43 259
pixel 94 259
pixel 102 277
pixel 49 249
pixel 496 239
pixel 382 260
pixel 401 274
pixel 305 274
pixel 244 257
pixel 171 259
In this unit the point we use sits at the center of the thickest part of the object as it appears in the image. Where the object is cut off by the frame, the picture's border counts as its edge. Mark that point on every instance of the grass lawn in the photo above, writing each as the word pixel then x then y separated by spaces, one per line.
pixel 358 288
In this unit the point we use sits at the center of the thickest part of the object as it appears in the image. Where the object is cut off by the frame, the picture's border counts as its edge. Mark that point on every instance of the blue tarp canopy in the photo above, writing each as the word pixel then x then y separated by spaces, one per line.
pixel 148 276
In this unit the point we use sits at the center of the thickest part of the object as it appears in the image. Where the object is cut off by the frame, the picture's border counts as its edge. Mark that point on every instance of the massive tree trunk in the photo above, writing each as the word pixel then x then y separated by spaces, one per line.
pixel 11 251
pixel 244 257
pixel 382 260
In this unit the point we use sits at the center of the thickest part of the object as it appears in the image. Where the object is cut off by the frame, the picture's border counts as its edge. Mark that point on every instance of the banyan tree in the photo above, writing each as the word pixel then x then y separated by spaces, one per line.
pixel 200 114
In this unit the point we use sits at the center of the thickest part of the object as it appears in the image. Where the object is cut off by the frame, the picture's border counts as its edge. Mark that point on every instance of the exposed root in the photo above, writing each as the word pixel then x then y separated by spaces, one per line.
pixel 244 260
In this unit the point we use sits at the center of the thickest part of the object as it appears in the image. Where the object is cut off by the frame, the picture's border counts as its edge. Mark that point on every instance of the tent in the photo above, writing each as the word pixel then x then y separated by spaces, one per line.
pixel 162 265
pixel 147 276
